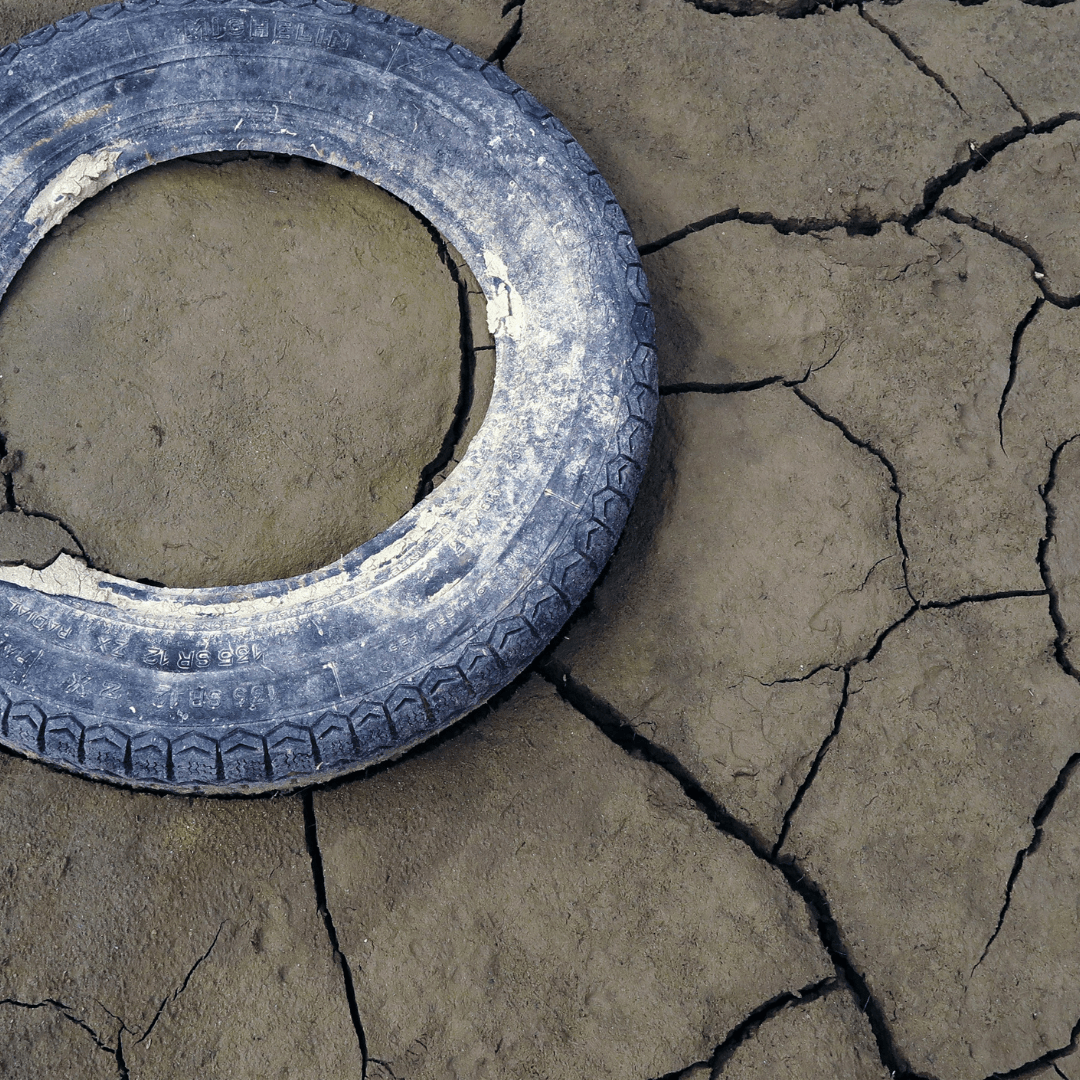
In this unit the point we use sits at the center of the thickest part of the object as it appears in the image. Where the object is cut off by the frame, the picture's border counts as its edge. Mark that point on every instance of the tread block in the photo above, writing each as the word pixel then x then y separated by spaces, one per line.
pixel 105 749
pixel 572 574
pixel 545 609
pixel 643 364
pixel 637 283
pixel 243 756
pixel 595 540
pixel 483 668
pixel 72 22
pixel 512 638
pixel 290 749
pixel 150 756
pixel 633 438
pixel 372 726
pixel 335 740
pixel 23 724
pixel 447 692
pixel 409 713
pixel 641 401
pixel 624 475
pixel 61 737
pixel 194 758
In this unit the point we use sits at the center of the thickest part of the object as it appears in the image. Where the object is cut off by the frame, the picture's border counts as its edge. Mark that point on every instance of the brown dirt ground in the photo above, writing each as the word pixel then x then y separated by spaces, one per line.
pixel 793 796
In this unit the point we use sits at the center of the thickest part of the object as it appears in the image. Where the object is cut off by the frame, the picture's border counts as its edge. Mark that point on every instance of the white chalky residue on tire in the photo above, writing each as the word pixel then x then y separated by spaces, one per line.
pixel 354 663
pixel 87 175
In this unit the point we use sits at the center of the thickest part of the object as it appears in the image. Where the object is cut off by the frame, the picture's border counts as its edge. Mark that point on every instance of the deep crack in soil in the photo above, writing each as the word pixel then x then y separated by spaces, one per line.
pixel 1030 1068
pixel 800 9
pixel 1014 361
pixel 115 1052
pixel 512 36
pixel 617 728
pixel 762 1014
pixel 1014 105
pixel 979 157
pixel 1038 820
pixel 9 463
pixel 912 56
pixel 1045 491
pixel 1061 781
pixel 894 477
pixel 311 838
pixel 467 385
pixel 1028 250
pixel 750 1023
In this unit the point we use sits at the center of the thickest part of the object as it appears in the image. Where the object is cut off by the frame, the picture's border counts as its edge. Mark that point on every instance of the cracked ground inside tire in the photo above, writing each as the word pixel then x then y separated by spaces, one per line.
pixel 794 793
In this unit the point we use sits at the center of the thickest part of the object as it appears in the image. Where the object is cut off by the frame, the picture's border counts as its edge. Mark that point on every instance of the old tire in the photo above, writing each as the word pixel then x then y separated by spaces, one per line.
pixel 284 683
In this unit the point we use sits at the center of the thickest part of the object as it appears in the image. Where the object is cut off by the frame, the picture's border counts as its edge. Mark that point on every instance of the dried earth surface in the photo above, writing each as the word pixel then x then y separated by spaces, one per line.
pixel 794 793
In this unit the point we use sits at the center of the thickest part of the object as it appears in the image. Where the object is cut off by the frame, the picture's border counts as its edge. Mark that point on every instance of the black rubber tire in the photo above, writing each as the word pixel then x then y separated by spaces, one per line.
pixel 284 683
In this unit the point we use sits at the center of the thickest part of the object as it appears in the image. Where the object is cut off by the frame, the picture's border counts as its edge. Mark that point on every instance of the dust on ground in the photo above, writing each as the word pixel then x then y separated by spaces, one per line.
pixel 794 792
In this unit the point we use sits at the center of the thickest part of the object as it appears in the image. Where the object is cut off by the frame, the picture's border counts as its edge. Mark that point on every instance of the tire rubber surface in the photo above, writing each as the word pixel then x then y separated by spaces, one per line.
pixel 284 683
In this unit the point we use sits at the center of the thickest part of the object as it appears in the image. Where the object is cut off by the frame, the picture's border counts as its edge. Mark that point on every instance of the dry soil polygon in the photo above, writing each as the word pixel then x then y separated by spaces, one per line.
pixel 527 899
pixel 1030 194
pixel 762 548
pixel 110 908
pixel 952 736
pixel 688 114
pixel 738 303
pixel 991 52
pixel 1062 555
pixel 1032 961
pixel 928 325
pixel 39 1040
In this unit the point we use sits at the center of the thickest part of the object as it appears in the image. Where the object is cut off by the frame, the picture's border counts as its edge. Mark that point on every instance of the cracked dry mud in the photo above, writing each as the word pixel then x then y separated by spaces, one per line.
pixel 795 793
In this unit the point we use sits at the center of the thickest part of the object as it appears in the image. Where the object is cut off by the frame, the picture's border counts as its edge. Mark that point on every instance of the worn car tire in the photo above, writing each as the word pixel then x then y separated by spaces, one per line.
pixel 283 683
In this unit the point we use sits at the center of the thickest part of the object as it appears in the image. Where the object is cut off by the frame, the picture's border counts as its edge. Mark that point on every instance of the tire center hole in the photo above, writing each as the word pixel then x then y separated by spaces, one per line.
pixel 223 371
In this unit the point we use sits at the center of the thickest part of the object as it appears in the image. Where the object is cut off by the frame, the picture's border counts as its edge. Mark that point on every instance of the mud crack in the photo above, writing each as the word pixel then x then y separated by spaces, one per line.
pixel 1014 361
pixel 311 837
pixel 913 57
pixel 1062 631
pixel 1013 104
pixel 894 478
pixel 1031 1068
pixel 1049 800
pixel 512 35
pixel 785 9
pixel 811 774
pixel 718 388
pixel 1026 249
pixel 177 992
pixel 979 157
pixel 1038 820
pixel 669 389
pixel 115 1052
pixel 853 224
pixel 857 224
pixel 765 1012
pixel 621 732
pixel 10 463
pixel 467 371
pixel 749 1025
